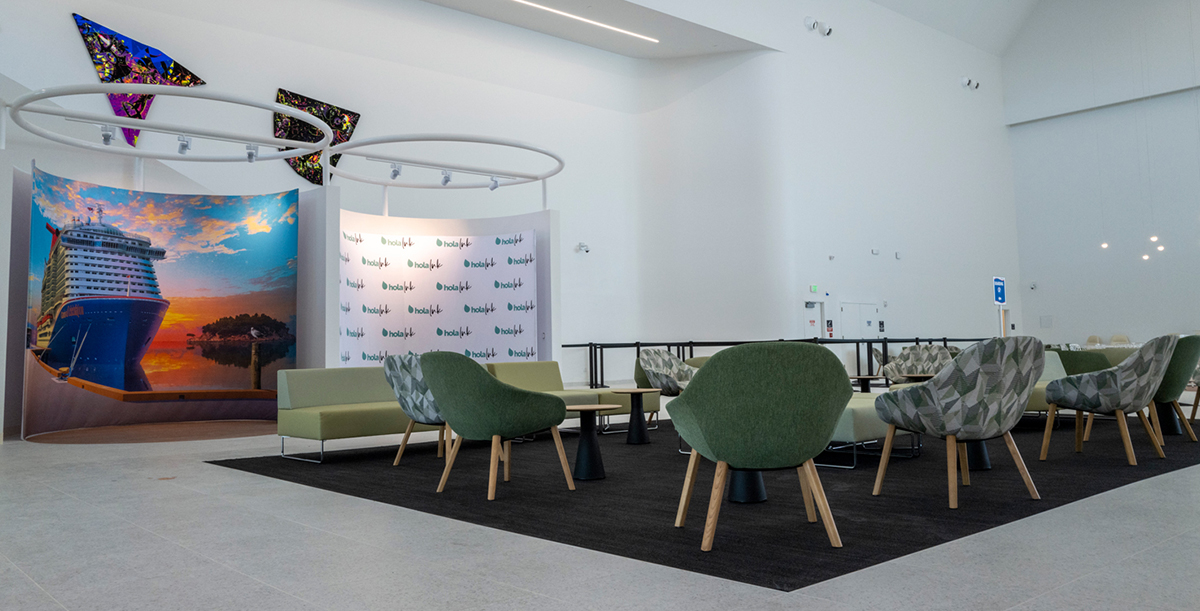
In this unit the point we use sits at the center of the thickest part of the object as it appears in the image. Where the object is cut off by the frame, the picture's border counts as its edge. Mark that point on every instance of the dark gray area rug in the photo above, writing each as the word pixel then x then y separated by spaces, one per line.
pixel 631 513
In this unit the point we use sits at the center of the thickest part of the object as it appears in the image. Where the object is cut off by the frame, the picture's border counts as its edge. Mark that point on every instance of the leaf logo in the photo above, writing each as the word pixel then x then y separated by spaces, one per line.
pixel 439 242
pixel 510 260
pixel 410 262
pixel 466 263
pixel 364 260
pixel 467 309
pixel 497 282
pixel 509 307
pixel 364 308
pixel 439 331
pixel 384 288
pixel 383 240
pixel 466 352
pixel 439 286
pixel 510 352
pixel 365 355
pixel 497 330
pixel 410 309
pixel 497 244
pixel 385 332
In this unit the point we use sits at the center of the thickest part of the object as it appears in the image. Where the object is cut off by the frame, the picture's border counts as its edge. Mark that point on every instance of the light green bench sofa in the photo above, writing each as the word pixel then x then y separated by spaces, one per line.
pixel 1054 370
pixel 323 404
pixel 544 376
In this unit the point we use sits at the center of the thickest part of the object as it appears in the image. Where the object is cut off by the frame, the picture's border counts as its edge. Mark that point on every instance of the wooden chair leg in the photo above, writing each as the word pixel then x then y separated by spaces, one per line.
pixel 1123 425
pixel 963 467
pixel 507 459
pixel 1195 405
pixel 492 468
pixel 404 442
pixel 714 506
pixel 883 459
pixel 1157 424
pixel 952 469
pixel 818 491
pixel 1151 432
pixel 1187 426
pixel 450 463
pixel 1087 430
pixel 1016 454
pixel 449 440
pixel 810 509
pixel 562 457
pixel 1049 428
pixel 689 484
pixel 441 441
pixel 1078 431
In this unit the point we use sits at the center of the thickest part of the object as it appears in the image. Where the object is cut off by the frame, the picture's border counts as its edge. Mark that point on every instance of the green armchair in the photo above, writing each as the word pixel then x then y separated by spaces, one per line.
pixel 980 395
pixel 1179 372
pixel 758 407
pixel 480 407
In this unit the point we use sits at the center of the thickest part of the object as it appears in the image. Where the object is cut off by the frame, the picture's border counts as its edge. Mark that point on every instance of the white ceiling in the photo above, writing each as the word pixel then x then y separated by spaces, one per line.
pixel 677 37
pixel 990 25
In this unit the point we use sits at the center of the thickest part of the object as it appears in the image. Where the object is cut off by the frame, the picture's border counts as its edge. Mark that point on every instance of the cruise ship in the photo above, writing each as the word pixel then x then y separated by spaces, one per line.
pixel 101 304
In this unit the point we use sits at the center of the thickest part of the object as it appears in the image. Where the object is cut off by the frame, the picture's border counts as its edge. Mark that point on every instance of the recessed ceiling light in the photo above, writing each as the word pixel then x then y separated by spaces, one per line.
pixel 585 20
pixel 1144 257
pixel 1104 245
pixel 1161 247
pixel 1153 238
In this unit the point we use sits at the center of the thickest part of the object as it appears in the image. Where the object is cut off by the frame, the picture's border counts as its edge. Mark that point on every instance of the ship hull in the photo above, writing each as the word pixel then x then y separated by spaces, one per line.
pixel 103 333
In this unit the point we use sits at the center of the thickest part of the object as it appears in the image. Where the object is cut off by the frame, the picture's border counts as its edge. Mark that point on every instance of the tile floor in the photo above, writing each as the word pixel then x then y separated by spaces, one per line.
pixel 150 526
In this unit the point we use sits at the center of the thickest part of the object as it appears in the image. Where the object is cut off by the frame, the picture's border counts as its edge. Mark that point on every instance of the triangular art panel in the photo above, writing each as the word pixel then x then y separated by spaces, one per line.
pixel 120 59
pixel 340 120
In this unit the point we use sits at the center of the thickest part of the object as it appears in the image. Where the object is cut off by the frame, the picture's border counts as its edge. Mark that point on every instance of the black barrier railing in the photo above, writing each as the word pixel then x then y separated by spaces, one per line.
pixel 688 349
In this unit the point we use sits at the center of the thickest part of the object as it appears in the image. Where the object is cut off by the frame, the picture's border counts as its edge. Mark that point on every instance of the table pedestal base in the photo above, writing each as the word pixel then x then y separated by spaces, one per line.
pixel 1167 419
pixel 746 486
pixel 638 433
pixel 977 456
pixel 588 464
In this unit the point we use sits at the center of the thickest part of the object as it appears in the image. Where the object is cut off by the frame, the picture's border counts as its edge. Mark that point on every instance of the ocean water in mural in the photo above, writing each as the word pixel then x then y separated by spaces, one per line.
pixel 120 59
pixel 154 291
pixel 340 120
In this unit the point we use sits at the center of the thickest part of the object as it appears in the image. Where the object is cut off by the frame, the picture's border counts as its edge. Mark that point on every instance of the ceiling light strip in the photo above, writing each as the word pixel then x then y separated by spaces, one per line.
pixel 585 20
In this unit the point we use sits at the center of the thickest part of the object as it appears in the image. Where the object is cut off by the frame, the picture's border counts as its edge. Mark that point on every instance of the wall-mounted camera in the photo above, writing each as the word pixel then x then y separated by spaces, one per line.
pixel 819 27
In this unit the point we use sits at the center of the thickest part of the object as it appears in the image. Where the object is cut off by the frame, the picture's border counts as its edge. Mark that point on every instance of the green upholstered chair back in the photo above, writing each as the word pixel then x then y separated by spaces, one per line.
pixel 1128 387
pixel 697 361
pixel 763 406
pixel 478 406
pixel 403 374
pixel 1054 368
pixel 542 376
pixel 1180 369
pixel 312 387
pixel 1116 354
pixel 1076 362
pixel 981 394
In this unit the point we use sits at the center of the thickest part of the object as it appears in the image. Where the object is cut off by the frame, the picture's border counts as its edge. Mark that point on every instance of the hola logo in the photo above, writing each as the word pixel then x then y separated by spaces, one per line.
pixel 460 287
pixel 517 330
pixel 460 332
pixel 402 333
pixel 380 263
pixel 358 286
pixel 513 241
pixel 431 265
pixel 402 242
pixel 459 243
pixel 402 287
pixel 521 307
pixel 355 334
pixel 485 355
pixel 429 311
pixel 353 237
pixel 380 311
pixel 345 307
pixel 345 356
pixel 484 309
pixel 514 285
pixel 344 257
pixel 527 353
pixel 377 357
pixel 526 260
pixel 486 263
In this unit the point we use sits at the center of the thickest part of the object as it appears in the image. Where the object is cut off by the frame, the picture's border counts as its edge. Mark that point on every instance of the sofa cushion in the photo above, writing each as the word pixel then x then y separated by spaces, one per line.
pixel 581 396
pixel 1037 399
pixel 300 388
pixel 540 376
pixel 859 422
pixel 341 421
pixel 1075 362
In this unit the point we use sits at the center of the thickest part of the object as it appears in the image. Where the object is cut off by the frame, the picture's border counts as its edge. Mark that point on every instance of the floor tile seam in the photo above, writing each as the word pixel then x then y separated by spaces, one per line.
pixel 190 551
pixel 521 589
pixel 33 581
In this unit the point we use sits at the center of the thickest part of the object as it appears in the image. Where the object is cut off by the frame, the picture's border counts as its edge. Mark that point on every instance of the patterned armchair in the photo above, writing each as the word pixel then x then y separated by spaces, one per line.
pixel 666 371
pixel 916 359
pixel 1121 390
pixel 403 373
pixel 980 395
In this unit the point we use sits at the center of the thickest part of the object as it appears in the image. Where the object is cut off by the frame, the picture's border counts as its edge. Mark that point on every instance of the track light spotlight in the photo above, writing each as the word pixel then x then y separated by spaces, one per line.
pixel 185 145
pixel 969 83
pixel 251 152
pixel 445 177
pixel 819 27
pixel 492 185
pixel 106 134
pixel 395 171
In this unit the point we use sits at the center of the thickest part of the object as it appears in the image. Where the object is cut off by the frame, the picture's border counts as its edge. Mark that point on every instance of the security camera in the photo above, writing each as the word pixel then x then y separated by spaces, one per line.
pixel 583 247
pixel 251 152
pixel 819 27
pixel 106 134
pixel 185 145
pixel 395 171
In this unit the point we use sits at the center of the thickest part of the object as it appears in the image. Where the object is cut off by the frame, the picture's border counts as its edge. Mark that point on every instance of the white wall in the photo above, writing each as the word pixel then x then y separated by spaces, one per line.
pixel 1117 174
pixel 711 191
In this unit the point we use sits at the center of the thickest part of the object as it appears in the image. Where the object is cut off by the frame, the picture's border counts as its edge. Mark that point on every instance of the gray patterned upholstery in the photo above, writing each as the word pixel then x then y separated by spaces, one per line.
pixel 916 359
pixel 666 371
pixel 403 373
pixel 953 350
pixel 980 395
pixel 1128 387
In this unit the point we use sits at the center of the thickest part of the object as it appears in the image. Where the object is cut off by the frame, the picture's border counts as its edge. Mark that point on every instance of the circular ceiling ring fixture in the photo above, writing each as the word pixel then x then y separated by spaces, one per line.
pixel 493 178
pixel 297 148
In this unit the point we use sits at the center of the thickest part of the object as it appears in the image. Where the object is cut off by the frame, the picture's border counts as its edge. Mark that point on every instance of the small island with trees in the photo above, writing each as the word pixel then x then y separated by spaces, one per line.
pixel 244 328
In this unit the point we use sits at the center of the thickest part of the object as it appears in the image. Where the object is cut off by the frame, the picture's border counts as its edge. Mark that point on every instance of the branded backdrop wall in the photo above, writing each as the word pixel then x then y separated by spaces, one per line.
pixel 481 287
pixel 407 293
